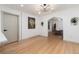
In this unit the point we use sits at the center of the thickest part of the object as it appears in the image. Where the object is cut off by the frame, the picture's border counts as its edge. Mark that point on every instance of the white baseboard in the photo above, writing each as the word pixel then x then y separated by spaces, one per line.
pixel 71 41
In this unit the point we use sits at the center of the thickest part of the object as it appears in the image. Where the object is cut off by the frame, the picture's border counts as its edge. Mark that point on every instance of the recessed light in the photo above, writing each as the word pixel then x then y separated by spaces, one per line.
pixel 22 5
pixel 39 12
pixel 52 8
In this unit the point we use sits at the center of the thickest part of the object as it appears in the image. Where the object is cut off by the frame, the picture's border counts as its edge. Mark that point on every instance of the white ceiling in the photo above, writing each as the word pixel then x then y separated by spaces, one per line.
pixel 32 8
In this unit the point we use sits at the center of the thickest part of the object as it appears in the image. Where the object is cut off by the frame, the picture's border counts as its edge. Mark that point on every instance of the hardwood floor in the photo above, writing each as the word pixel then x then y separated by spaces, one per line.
pixel 71 48
pixel 41 45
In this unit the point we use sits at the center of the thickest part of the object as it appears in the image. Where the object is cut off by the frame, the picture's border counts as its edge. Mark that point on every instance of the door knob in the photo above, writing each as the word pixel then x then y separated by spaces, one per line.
pixel 5 30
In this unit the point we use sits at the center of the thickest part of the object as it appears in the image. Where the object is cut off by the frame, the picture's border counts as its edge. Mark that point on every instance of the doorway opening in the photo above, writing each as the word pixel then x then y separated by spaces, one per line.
pixel 55 27
pixel 10 26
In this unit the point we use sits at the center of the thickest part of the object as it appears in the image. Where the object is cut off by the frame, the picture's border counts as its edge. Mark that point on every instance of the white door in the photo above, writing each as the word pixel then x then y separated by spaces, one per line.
pixel 10 27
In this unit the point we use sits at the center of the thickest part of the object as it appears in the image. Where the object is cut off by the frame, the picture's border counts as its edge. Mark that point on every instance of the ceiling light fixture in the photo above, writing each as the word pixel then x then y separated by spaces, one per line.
pixel 39 12
pixel 45 8
pixel 22 5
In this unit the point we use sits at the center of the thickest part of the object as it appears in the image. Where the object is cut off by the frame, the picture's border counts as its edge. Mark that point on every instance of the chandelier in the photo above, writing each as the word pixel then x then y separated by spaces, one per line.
pixel 43 8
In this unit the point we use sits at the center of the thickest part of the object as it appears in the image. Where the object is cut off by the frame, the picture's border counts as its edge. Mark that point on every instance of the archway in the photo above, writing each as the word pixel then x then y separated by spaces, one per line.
pixel 55 27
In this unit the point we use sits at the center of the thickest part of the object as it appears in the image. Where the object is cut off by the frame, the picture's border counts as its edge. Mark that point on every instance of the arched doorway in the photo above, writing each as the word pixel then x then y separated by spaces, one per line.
pixel 55 27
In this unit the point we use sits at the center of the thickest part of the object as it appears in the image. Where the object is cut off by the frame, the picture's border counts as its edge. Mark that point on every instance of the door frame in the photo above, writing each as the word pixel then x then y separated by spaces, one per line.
pixel 2 14
pixel 62 24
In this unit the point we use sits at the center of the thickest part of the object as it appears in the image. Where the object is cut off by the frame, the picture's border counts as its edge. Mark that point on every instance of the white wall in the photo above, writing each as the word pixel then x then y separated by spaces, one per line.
pixel 44 28
pixel 50 25
pixel 71 33
pixel 26 33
